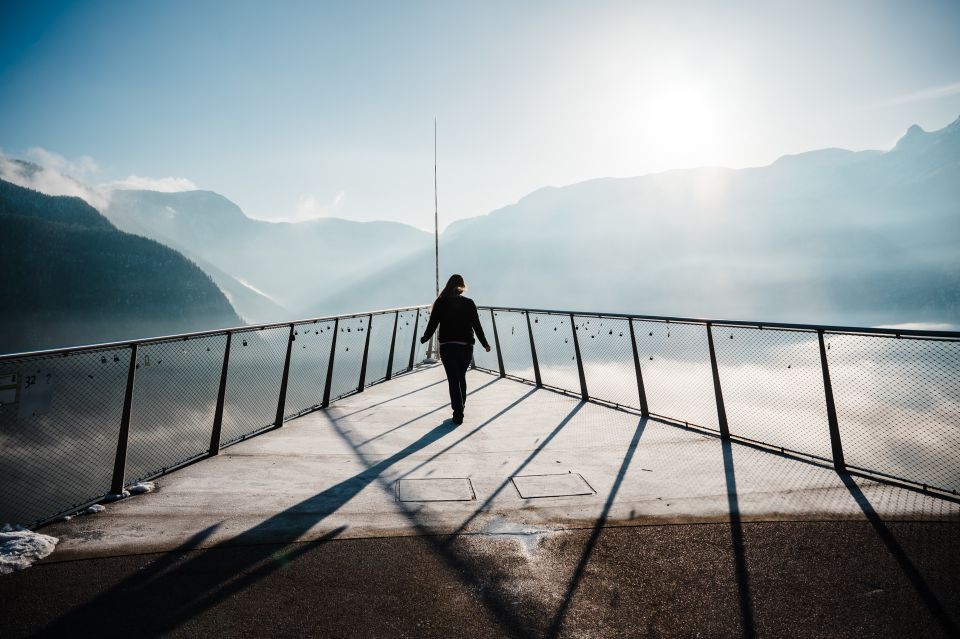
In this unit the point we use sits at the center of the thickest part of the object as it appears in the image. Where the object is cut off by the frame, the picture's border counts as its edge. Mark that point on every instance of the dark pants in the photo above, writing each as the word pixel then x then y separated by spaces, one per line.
pixel 456 360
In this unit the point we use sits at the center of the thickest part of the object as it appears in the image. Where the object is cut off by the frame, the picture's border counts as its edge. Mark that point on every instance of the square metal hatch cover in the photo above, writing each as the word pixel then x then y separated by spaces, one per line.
pixel 435 489
pixel 563 485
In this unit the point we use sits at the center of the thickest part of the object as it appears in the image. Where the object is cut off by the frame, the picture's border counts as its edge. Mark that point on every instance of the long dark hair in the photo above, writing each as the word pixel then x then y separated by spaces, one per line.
pixel 455 286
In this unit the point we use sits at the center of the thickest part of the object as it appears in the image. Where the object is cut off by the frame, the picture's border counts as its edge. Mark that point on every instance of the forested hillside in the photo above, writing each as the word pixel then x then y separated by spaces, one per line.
pixel 70 277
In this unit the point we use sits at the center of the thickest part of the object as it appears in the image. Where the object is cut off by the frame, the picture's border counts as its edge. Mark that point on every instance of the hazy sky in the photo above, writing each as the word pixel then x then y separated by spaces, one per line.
pixel 326 108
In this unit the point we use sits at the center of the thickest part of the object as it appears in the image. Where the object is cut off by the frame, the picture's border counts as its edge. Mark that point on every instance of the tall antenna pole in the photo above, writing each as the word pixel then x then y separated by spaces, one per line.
pixel 433 353
pixel 436 225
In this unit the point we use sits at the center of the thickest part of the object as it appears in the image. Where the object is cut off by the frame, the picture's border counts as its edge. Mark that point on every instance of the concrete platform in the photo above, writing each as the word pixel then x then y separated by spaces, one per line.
pixel 522 562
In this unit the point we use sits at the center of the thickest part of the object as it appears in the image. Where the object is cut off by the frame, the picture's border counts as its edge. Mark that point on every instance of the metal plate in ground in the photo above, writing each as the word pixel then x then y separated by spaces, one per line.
pixel 435 489
pixel 565 485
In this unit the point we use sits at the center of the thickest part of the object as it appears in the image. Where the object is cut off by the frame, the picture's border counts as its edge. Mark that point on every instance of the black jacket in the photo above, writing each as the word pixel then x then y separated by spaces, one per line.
pixel 458 320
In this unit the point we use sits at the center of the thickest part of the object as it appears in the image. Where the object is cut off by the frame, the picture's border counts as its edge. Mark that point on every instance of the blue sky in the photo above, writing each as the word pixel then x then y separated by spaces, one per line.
pixel 295 110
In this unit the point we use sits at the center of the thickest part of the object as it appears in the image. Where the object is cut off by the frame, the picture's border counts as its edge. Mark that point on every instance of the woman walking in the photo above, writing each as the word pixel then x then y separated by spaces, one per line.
pixel 457 318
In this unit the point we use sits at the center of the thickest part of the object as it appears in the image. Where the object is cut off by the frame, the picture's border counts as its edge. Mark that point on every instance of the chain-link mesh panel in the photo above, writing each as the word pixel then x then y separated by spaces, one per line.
pixel 898 406
pixel 174 400
pixel 380 334
pixel 401 349
pixel 308 366
pixel 59 424
pixel 482 358
pixel 772 386
pixel 349 356
pixel 675 362
pixel 420 352
pixel 556 355
pixel 515 343
pixel 253 381
pixel 608 360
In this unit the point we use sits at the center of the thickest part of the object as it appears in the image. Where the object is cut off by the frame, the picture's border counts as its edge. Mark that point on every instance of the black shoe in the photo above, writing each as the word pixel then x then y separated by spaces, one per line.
pixel 458 419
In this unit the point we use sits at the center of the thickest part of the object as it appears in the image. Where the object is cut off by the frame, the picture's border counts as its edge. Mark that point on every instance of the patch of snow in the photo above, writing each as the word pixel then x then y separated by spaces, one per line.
pixel 20 547
pixel 116 496
pixel 142 487
pixel 92 510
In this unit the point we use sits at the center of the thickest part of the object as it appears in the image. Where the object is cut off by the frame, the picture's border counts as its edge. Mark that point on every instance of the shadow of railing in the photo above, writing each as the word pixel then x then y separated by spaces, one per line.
pixel 203 581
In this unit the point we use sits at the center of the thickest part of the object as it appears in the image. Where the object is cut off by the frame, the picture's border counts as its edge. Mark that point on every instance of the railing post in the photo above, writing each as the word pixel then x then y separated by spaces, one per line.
pixel 496 340
pixel 120 460
pixel 718 393
pixel 533 352
pixel 282 399
pixel 644 408
pixel 221 393
pixel 333 351
pixel 366 349
pixel 393 343
pixel 576 347
pixel 835 444
pixel 413 342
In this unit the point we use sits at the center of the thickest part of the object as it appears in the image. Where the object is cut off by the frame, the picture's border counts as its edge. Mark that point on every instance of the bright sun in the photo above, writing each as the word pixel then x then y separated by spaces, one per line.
pixel 680 120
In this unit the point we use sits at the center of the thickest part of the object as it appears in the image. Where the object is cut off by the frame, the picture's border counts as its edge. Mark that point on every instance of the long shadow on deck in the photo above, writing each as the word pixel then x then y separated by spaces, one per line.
pixel 189 588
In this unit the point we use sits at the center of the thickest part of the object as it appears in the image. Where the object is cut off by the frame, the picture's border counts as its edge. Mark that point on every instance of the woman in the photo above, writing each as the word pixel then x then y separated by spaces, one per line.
pixel 457 318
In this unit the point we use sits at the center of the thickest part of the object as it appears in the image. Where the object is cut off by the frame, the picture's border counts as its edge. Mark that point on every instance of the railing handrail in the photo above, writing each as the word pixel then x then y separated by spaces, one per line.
pixel 812 328
pixel 246 328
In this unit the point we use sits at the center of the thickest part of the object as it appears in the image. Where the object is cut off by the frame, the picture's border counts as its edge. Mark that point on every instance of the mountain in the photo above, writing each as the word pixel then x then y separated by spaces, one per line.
pixel 272 271
pixel 829 236
pixel 70 278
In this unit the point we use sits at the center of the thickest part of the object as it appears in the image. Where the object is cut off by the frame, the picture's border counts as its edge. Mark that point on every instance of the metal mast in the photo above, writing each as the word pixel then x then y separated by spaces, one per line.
pixel 433 352
pixel 436 226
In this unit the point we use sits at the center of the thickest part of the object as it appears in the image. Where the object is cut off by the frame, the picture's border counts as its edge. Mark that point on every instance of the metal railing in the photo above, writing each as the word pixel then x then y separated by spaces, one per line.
pixel 78 424
pixel 879 402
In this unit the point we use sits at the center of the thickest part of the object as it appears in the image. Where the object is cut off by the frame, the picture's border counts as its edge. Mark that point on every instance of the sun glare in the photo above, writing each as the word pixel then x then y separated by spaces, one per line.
pixel 678 122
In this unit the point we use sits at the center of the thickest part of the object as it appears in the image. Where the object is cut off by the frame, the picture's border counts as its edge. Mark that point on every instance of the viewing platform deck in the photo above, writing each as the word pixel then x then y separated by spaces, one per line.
pixel 540 515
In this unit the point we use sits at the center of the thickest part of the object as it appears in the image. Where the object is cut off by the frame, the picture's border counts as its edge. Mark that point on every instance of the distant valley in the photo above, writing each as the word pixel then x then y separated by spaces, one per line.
pixel 829 236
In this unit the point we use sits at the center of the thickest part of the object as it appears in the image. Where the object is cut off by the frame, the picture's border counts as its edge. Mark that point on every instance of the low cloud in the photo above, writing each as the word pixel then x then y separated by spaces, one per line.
pixel 309 207
pixel 54 174
pixel 82 167
pixel 52 181
pixel 165 184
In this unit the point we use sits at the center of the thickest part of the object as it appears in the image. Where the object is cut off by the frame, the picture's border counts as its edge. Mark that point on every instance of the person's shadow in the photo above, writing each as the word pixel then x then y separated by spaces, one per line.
pixel 174 592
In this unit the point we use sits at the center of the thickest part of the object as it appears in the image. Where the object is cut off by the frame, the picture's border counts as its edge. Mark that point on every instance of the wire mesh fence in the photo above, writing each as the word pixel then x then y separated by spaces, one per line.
pixel 772 385
pixel 63 415
pixel 59 423
pixel 62 423
pixel 675 364
pixel 897 401
pixel 481 358
pixel 553 339
pixel 309 358
pixel 378 356
pixel 408 329
pixel 511 330
pixel 174 400
pixel 898 405
pixel 253 381
pixel 608 360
